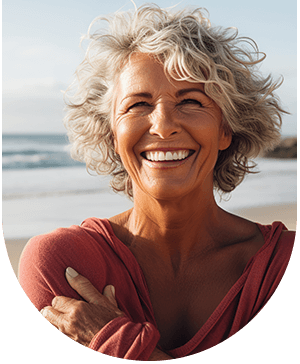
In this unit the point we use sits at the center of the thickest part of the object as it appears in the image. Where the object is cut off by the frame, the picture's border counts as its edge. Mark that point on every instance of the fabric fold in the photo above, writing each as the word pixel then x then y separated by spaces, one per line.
pixel 135 335
pixel 123 338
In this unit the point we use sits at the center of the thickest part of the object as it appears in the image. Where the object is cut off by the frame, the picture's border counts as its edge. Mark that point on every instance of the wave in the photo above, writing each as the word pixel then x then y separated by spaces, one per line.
pixel 40 143
pixel 35 159
pixel 25 148
pixel 20 143
pixel 35 151
pixel 8 158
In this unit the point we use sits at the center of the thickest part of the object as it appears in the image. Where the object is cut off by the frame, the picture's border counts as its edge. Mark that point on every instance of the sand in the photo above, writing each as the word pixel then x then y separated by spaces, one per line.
pixel 264 215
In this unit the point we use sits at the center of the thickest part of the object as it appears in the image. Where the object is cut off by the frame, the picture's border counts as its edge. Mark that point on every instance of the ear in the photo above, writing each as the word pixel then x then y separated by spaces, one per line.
pixel 225 139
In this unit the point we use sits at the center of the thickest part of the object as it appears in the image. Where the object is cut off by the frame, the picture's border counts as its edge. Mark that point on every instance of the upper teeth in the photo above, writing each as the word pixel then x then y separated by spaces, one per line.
pixel 166 156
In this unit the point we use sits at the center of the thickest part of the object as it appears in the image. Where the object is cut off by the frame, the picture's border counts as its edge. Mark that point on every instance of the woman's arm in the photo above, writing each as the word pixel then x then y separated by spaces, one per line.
pixel 42 270
pixel 92 323
pixel 78 319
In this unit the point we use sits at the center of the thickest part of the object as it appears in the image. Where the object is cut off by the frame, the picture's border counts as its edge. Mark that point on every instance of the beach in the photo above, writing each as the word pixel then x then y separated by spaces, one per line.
pixel 43 189
pixel 264 215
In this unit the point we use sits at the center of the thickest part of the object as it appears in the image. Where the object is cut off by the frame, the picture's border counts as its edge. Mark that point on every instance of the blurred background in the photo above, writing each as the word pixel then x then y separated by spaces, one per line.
pixel 43 188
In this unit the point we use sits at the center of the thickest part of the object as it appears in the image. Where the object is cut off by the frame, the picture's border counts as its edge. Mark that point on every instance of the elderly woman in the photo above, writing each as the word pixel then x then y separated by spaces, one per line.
pixel 172 108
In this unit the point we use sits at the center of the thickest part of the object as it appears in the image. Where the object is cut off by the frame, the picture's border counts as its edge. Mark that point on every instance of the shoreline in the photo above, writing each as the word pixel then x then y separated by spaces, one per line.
pixel 286 213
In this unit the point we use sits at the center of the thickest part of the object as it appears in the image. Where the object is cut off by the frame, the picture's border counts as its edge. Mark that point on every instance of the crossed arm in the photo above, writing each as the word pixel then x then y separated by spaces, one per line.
pixel 81 320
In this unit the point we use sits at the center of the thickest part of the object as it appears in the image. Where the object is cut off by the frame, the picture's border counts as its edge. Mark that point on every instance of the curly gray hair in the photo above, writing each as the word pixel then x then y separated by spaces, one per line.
pixel 190 49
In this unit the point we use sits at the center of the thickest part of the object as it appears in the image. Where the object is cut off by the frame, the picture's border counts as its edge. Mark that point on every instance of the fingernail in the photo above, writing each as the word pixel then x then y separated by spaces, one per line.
pixel 43 312
pixel 71 272
pixel 113 291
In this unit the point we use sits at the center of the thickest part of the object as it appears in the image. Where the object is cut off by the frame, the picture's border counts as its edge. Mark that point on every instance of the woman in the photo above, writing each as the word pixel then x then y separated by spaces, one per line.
pixel 172 108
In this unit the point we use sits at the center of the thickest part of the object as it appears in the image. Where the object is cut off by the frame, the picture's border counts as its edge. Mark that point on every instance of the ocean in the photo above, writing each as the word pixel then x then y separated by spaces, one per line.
pixel 43 188
pixel 35 151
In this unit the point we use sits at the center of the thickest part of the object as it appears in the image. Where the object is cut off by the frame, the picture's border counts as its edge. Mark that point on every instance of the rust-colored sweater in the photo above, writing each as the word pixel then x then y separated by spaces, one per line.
pixel 94 251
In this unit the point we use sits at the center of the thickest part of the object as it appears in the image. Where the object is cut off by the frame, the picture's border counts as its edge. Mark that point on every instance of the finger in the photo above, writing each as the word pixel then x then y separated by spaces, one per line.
pixel 61 303
pixel 109 293
pixel 52 315
pixel 84 287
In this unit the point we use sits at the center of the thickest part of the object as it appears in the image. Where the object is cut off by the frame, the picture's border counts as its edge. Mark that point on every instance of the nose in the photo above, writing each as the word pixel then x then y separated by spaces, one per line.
pixel 164 124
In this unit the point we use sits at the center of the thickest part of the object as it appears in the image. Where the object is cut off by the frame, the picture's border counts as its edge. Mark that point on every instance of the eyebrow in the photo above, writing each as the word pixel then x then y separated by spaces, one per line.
pixel 146 95
pixel 187 90
pixel 179 93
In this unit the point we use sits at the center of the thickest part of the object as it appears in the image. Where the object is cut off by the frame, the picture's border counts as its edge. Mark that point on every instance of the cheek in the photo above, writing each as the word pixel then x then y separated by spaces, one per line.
pixel 127 135
pixel 205 131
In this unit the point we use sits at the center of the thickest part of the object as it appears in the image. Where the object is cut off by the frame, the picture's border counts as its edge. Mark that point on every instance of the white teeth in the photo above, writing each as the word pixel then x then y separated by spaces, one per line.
pixel 166 156
pixel 169 156
pixel 161 156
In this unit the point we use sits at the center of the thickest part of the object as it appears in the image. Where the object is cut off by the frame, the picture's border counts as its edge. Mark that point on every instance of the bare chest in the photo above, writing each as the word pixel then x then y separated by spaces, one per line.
pixel 182 304
pixel 185 294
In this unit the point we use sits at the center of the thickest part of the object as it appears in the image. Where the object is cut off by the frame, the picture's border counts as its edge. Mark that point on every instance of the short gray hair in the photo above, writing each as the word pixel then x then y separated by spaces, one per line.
pixel 190 49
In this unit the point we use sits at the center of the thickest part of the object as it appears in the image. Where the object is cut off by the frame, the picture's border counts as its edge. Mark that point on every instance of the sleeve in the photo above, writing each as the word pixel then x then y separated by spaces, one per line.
pixel 42 268
pixel 264 277
pixel 275 269
pixel 123 338
pixel 42 276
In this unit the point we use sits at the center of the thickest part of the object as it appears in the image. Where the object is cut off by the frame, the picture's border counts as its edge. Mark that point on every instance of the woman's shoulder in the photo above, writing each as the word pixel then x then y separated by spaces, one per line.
pixel 92 232
pixel 43 263
pixel 60 239
pixel 277 234
pixel 285 243
pixel 276 251
pixel 253 242
pixel 45 258
pixel 288 236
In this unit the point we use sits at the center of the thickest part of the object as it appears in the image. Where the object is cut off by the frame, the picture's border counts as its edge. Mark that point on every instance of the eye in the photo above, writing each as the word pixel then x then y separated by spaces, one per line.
pixel 138 104
pixel 190 102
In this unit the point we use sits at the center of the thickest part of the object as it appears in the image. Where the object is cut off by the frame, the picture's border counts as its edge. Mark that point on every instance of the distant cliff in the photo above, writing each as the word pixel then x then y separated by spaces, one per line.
pixel 287 148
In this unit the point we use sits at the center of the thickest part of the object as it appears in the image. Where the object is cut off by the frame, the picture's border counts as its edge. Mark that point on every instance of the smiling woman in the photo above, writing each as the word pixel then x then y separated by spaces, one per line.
pixel 189 49
pixel 172 108
pixel 153 116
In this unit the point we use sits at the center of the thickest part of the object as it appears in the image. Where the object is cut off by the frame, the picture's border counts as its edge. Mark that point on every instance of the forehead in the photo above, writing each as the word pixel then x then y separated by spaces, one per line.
pixel 144 71
pixel 140 61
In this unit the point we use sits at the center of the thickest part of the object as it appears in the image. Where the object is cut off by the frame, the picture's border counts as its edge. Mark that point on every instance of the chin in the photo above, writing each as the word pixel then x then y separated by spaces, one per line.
pixel 167 193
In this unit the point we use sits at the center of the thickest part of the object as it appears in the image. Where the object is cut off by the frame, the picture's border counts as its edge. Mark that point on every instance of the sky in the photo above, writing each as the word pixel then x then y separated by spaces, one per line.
pixel 41 51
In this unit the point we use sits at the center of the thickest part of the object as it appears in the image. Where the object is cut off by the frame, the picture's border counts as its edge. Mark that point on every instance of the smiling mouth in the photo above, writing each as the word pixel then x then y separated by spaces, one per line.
pixel 168 156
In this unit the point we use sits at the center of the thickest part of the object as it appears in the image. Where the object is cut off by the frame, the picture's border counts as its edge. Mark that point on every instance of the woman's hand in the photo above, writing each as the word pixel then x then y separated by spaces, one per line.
pixel 82 320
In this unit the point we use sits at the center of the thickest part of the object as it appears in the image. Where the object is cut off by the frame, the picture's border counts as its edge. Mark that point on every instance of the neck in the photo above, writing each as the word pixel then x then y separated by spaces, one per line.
pixel 174 227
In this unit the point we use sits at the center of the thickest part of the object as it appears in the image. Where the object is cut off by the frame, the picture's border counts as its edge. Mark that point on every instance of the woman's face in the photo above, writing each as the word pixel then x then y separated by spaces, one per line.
pixel 167 133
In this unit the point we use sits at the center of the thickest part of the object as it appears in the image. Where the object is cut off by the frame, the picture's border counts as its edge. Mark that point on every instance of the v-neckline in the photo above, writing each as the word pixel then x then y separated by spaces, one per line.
pixel 224 303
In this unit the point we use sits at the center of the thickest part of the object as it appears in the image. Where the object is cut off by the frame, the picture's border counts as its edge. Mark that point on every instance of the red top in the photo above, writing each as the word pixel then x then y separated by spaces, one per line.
pixel 94 251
